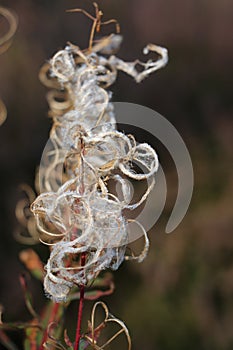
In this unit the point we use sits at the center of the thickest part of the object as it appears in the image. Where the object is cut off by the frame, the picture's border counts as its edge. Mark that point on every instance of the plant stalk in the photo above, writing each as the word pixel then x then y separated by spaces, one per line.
pixel 80 308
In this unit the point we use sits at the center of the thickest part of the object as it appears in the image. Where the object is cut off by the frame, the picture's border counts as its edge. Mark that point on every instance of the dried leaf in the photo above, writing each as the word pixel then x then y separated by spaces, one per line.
pixel 33 263
pixel 67 339
pixel 27 297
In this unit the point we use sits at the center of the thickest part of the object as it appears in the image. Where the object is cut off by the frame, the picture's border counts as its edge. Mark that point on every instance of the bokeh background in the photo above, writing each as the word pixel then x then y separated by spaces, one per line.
pixel 181 296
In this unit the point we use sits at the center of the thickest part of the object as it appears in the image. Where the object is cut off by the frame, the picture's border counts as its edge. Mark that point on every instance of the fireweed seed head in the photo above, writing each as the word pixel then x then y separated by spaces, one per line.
pixel 76 211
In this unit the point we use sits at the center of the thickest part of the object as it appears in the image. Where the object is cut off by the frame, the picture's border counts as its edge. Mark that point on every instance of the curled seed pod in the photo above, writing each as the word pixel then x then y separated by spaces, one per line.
pixel 46 77
pixel 94 334
pixel 12 20
pixel 59 102
pixel 5 42
pixel 149 67
pixel 63 65
pixel 28 232
pixel 3 112
pixel 146 158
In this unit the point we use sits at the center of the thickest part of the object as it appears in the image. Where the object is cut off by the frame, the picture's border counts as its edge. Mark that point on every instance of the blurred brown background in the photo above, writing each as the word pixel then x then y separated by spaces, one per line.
pixel 181 296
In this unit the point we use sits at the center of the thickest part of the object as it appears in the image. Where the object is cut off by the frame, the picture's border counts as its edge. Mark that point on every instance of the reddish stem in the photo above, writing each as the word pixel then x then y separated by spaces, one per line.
pixel 51 319
pixel 80 308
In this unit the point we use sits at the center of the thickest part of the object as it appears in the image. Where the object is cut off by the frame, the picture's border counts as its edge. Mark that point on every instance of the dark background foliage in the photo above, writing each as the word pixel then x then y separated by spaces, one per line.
pixel 181 297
